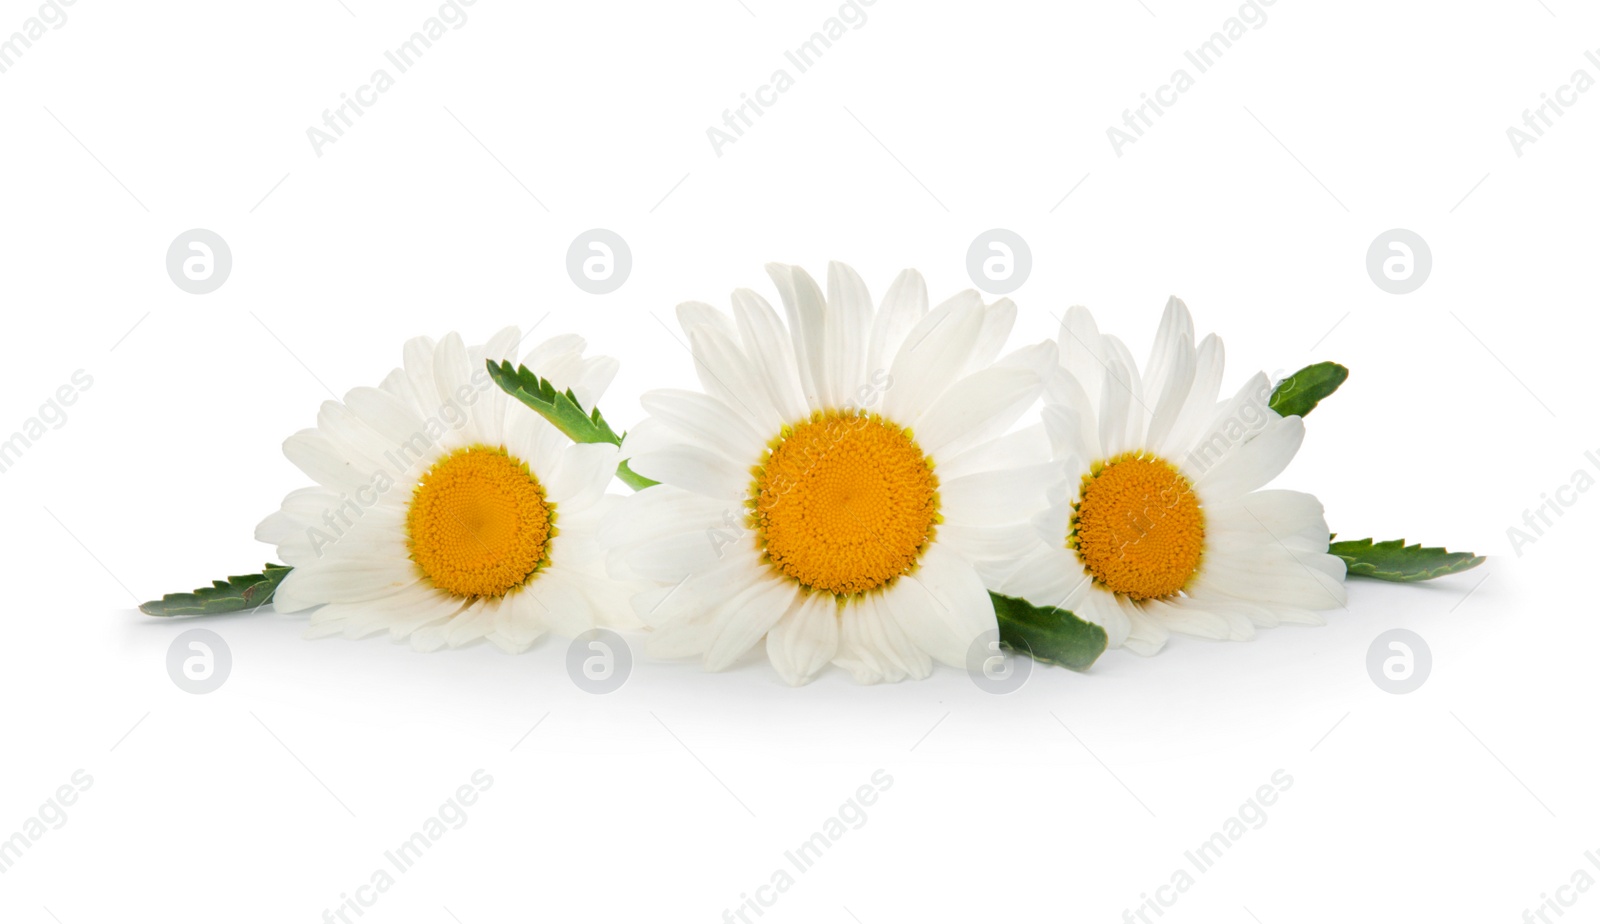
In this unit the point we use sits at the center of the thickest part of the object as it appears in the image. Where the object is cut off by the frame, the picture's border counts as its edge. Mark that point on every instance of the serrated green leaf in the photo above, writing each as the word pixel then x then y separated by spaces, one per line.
pixel 1393 560
pixel 1048 634
pixel 560 408
pixel 563 411
pixel 1299 393
pixel 239 592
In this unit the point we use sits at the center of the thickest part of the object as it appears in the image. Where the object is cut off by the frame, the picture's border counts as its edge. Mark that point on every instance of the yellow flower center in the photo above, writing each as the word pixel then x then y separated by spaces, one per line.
pixel 478 524
pixel 844 502
pixel 1138 526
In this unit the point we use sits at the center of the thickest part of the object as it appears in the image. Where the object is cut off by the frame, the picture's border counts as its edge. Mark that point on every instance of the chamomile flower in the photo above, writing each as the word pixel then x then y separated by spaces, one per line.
pixel 832 488
pixel 1154 520
pixel 443 511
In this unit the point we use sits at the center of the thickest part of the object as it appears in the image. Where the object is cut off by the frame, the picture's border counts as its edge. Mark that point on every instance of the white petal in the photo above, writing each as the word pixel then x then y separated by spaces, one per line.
pixel 940 342
pixel 707 420
pixel 699 470
pixel 1036 574
pixel 306 586
pixel 1124 622
pixel 595 375
pixel 1188 617
pixel 422 607
pixel 1082 353
pixel 452 370
pixel 726 373
pixel 418 363
pixel 1280 515
pixel 741 621
pixel 998 320
pixel 694 596
pixel 1123 412
pixel 1201 401
pixel 984 545
pixel 698 314
pixel 994 498
pixel 902 307
pixel 535 442
pixel 582 475
pixel 663 511
pixel 1027 446
pixel 873 647
pixel 300 507
pixel 469 625
pixel 1146 635
pixel 771 354
pixel 399 612
pixel 805 305
pixel 806 639
pixel 1072 433
pixel 313 453
pixel 358 442
pixel 1274 575
pixel 1230 425
pixel 945 609
pixel 977 408
pixel 502 346
pixel 1170 393
pixel 1174 338
pixel 560 602
pixel 391 419
pixel 520 619
pixel 693 550
pixel 1254 463
pixel 577 540
pixel 845 334
pixel 550 350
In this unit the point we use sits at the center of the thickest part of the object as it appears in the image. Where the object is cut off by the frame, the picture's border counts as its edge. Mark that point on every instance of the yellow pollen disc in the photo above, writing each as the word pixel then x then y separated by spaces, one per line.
pixel 844 503
pixel 1138 526
pixel 478 524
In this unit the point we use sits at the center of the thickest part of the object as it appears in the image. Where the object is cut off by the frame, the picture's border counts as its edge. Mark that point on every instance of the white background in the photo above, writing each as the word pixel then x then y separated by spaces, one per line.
pixel 449 206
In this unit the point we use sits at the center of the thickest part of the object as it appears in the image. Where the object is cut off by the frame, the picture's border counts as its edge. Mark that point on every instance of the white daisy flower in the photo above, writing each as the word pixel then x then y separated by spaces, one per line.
pixel 444 511
pixel 1155 520
pixel 835 485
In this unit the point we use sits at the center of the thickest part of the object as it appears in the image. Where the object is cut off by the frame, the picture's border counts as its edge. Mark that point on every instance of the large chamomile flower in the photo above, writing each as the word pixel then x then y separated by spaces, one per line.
pixel 832 488
pixel 1154 521
pixel 444 511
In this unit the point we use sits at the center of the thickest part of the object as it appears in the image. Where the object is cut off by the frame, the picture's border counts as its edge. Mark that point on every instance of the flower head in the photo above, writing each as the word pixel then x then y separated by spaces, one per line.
pixel 833 487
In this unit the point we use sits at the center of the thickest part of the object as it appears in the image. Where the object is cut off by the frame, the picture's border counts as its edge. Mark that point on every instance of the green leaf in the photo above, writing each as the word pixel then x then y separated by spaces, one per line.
pixel 1299 393
pixel 1048 634
pixel 239 592
pixel 563 411
pixel 1395 561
